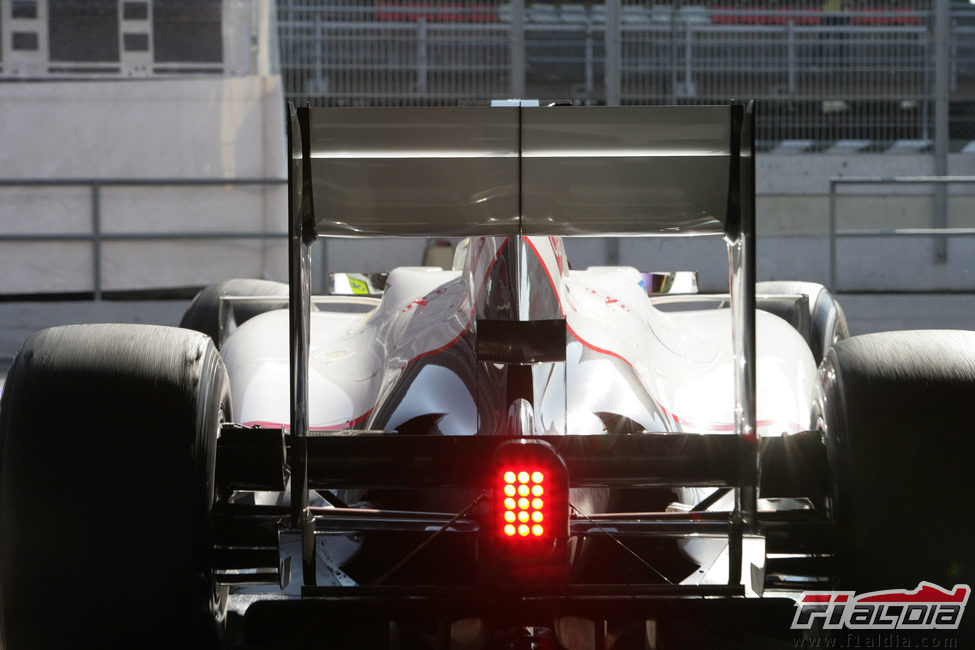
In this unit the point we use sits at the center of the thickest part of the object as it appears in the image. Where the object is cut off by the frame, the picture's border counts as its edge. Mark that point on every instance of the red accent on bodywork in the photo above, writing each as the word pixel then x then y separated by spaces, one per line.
pixel 422 301
pixel 689 423
pixel 470 318
pixel 548 274
pixel 346 425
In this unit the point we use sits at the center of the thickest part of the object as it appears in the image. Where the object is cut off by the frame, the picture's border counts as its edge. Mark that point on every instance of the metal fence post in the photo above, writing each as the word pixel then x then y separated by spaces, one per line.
pixel 613 53
pixel 96 239
pixel 517 49
pixel 953 57
pixel 790 39
pixel 942 69
pixel 672 62
pixel 421 55
pixel 318 47
pixel 832 235
pixel 590 62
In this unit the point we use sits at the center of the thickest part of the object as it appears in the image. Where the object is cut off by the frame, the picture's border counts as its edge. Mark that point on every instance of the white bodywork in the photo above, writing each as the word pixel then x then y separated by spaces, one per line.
pixel 683 359
pixel 661 369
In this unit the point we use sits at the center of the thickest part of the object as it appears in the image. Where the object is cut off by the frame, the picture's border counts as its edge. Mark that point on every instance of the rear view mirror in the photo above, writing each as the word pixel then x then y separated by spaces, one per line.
pixel 670 282
pixel 357 284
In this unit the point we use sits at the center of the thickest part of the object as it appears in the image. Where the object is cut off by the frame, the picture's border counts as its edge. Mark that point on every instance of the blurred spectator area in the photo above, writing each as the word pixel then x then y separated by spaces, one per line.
pixel 720 12
pixel 823 71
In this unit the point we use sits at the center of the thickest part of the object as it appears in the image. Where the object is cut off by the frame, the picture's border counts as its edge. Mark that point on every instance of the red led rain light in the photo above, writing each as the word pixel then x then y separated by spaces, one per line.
pixel 523 514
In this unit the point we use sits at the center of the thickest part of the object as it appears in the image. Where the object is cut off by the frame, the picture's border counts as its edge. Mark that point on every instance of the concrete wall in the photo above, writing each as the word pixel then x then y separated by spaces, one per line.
pixel 793 192
pixel 206 127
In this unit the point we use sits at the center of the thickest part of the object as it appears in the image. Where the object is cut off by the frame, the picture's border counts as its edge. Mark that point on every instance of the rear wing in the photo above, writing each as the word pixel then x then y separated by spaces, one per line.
pixel 508 171
pixel 649 170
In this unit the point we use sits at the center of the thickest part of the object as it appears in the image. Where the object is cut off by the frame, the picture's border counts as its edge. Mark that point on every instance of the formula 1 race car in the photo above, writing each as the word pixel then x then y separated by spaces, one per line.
pixel 509 454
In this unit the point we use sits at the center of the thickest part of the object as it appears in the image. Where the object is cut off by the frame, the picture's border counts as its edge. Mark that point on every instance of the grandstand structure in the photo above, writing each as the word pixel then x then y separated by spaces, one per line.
pixel 863 75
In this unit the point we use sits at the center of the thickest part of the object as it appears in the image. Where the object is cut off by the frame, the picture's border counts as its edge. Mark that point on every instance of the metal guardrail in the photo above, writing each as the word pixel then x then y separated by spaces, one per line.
pixel 97 236
pixel 939 231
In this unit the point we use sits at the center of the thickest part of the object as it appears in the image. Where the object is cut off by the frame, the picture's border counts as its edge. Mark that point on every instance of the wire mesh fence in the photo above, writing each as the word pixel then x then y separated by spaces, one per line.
pixel 823 71
pixel 818 75
pixel 393 53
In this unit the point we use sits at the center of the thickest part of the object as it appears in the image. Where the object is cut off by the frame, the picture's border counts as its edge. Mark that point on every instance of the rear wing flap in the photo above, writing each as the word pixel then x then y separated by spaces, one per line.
pixel 458 171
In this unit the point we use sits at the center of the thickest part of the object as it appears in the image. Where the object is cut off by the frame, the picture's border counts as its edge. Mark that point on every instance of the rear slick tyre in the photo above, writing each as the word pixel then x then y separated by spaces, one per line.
pixel 897 412
pixel 108 441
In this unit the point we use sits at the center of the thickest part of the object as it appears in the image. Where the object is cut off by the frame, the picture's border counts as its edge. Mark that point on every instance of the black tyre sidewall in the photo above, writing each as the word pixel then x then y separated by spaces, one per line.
pixel 108 440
